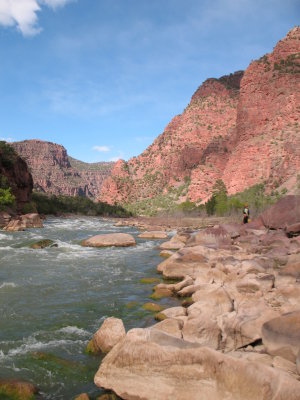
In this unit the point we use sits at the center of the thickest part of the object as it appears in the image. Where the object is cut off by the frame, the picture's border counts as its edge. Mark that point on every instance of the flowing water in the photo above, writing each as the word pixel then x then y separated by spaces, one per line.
pixel 53 300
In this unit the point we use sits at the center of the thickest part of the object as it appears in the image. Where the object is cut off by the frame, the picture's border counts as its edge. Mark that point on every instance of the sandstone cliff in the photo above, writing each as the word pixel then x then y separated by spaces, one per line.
pixel 242 128
pixel 14 173
pixel 54 172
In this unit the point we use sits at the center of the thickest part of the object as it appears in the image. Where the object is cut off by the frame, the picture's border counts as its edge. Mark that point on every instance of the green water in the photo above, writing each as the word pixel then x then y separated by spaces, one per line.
pixel 53 300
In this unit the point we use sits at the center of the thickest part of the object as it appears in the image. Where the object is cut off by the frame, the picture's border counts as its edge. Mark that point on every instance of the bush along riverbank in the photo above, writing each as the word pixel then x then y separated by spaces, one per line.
pixel 57 205
pixel 244 283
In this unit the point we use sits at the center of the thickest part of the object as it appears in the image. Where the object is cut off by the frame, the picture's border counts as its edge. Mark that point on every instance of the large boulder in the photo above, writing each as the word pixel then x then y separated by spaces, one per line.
pixel 109 334
pixel 174 244
pixel 281 336
pixel 282 214
pixel 153 235
pixel 242 326
pixel 152 365
pixel 110 239
pixel 23 222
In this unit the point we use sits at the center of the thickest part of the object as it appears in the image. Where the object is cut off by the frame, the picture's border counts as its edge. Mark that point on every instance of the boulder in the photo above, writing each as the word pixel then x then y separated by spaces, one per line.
pixel 41 244
pixel 14 225
pixel 293 230
pixel 82 396
pixel 188 261
pixel 13 389
pixel 153 235
pixel 170 326
pixel 242 326
pixel 166 253
pixel 281 335
pixel 291 270
pixel 214 237
pixel 4 218
pixel 23 222
pixel 202 329
pixel 282 214
pixel 110 333
pixel 32 220
pixel 174 312
pixel 173 244
pixel 153 365
pixel 110 239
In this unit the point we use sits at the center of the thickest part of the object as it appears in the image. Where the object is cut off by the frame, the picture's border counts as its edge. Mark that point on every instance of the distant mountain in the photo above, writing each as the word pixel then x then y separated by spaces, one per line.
pixel 242 128
pixel 54 172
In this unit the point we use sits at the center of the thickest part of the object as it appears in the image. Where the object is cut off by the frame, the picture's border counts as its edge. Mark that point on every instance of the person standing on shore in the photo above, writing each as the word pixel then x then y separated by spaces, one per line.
pixel 246 214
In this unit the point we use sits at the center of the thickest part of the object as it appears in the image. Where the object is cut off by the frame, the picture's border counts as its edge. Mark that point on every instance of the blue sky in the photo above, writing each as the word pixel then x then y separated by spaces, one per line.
pixel 104 77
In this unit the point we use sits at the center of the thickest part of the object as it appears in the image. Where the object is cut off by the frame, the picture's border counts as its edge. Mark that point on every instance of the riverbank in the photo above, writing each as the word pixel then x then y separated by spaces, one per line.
pixel 240 337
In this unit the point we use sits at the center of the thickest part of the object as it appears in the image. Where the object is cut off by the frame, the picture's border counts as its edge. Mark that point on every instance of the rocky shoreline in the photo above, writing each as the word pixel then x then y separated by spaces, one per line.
pixel 240 337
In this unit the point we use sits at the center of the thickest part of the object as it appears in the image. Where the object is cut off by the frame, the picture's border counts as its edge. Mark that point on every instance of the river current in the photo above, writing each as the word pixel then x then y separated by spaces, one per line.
pixel 53 300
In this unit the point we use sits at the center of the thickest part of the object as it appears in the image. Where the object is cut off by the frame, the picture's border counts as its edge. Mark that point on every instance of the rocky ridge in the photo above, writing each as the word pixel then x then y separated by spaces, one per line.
pixel 242 128
pixel 238 336
pixel 54 172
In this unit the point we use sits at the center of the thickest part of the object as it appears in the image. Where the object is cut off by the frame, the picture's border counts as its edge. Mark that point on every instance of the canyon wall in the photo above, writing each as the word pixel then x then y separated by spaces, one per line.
pixel 242 128
pixel 54 172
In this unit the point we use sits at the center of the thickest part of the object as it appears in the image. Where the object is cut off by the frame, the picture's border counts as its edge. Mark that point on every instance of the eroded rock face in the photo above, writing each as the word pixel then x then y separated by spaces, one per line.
pixel 149 366
pixel 15 171
pixel 54 172
pixel 256 110
pixel 111 239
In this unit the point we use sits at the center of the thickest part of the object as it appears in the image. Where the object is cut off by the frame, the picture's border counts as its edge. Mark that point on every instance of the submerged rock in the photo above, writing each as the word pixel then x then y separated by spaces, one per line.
pixel 41 244
pixel 17 390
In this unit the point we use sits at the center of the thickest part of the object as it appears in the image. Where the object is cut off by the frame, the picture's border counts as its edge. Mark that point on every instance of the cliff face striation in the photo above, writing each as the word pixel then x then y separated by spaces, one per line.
pixel 54 172
pixel 242 128
pixel 15 174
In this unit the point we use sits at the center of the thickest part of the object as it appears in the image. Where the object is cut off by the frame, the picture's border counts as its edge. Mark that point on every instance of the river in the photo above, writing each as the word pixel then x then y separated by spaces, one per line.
pixel 53 300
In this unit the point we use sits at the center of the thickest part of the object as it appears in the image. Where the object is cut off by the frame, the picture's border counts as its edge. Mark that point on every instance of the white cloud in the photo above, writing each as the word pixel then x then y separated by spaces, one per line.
pixel 23 14
pixel 115 159
pixel 7 139
pixel 101 149
pixel 55 3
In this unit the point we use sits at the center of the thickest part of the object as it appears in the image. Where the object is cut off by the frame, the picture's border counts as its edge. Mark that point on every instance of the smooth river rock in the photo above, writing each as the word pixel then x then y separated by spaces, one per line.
pixel 152 365
pixel 153 235
pixel 110 333
pixel 111 239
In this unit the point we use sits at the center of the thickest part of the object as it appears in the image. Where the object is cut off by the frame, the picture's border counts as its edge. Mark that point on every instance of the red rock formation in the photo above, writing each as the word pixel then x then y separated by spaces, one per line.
pixel 241 129
pixel 56 173
pixel 16 174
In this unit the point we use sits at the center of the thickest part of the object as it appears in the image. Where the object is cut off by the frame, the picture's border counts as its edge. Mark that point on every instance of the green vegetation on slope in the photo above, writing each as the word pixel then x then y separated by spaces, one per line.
pixel 220 203
pixel 97 166
pixel 78 205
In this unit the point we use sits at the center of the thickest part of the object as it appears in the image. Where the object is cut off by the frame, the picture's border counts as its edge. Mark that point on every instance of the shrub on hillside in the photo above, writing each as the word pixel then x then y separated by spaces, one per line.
pixel 6 198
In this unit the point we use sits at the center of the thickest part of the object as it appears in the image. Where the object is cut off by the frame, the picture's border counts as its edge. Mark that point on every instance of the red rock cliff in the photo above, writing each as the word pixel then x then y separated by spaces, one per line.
pixel 242 128
pixel 54 172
